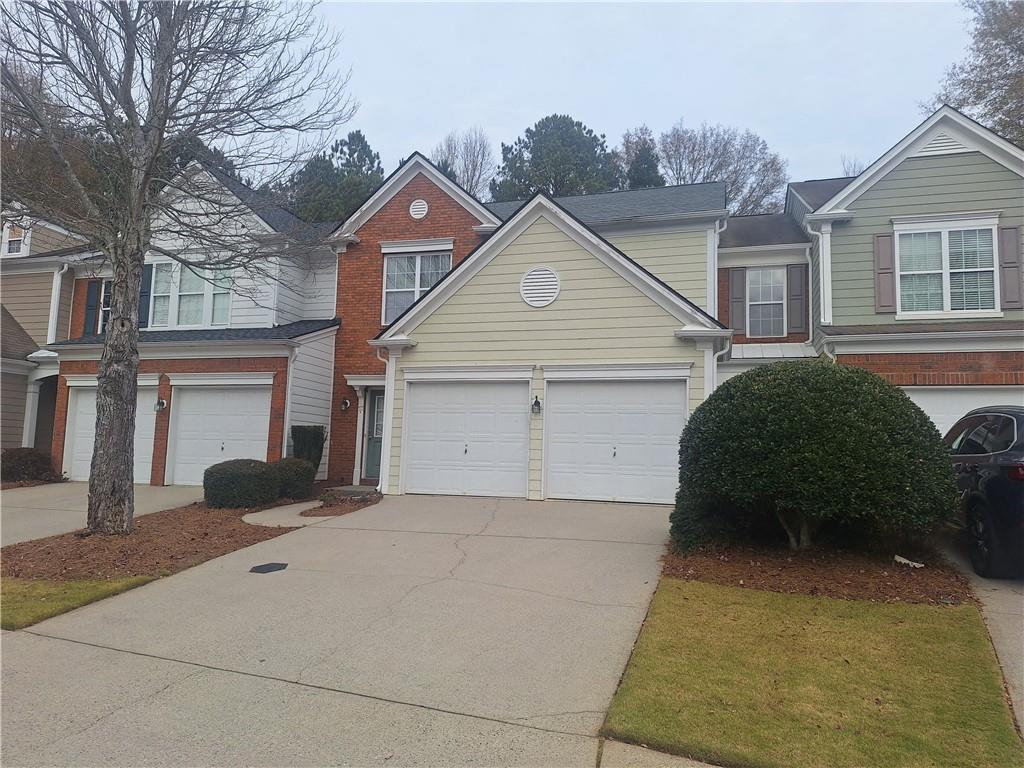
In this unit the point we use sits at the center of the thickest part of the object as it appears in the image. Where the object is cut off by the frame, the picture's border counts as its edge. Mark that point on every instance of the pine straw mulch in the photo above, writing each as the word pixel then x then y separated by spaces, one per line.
pixel 342 506
pixel 843 575
pixel 9 484
pixel 161 543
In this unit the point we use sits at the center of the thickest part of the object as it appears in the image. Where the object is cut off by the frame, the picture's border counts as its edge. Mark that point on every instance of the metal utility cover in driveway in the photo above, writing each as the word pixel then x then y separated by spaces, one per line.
pixel 268 567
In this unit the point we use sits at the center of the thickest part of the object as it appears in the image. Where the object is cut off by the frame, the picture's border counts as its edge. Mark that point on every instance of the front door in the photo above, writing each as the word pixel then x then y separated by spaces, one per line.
pixel 374 432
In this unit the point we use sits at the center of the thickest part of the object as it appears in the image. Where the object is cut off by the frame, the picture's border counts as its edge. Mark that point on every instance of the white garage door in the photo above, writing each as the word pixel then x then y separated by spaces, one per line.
pixel 213 424
pixel 945 405
pixel 81 432
pixel 614 440
pixel 467 438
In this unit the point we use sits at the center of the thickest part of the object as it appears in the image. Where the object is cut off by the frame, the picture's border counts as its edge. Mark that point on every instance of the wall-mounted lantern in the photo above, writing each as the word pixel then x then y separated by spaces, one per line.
pixel 159 405
pixel 535 408
pixel 346 404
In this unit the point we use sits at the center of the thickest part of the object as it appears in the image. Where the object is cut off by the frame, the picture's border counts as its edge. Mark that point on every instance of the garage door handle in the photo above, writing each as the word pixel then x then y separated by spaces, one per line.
pixel 222 446
pixel 465 449
pixel 614 451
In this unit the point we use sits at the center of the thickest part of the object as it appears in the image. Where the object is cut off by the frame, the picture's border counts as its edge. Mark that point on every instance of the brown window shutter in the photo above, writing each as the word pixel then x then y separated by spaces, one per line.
pixel 885 274
pixel 796 298
pixel 1011 273
pixel 738 299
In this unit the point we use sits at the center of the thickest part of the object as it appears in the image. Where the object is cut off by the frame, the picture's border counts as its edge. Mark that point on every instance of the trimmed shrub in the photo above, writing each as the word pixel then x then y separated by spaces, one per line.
pixel 297 476
pixel 810 445
pixel 240 483
pixel 19 464
pixel 308 443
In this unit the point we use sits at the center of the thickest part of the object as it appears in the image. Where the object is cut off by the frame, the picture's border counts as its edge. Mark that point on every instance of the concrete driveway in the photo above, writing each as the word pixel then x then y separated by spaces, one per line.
pixel 46 510
pixel 421 631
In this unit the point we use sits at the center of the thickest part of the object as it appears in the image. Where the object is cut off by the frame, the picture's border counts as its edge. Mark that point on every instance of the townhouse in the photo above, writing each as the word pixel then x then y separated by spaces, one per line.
pixel 554 347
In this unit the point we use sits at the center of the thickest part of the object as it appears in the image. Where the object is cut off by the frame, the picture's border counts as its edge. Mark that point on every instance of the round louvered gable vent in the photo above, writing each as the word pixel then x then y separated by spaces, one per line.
pixel 418 209
pixel 539 286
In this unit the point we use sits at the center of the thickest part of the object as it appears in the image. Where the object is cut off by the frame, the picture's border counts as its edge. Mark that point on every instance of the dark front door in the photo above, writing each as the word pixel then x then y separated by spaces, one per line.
pixel 374 417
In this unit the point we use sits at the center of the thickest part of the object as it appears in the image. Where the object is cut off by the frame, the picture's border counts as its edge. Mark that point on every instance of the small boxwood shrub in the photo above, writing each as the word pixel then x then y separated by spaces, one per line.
pixel 20 464
pixel 308 442
pixel 810 445
pixel 240 483
pixel 297 476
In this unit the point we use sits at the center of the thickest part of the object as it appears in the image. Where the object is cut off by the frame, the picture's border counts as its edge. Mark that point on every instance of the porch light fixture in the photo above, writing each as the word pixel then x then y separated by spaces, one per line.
pixel 535 408
pixel 159 405
pixel 346 404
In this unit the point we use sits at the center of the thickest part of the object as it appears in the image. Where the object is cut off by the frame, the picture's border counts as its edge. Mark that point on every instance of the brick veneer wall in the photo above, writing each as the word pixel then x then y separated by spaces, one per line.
pixel 77 329
pixel 360 284
pixel 943 368
pixel 276 365
pixel 739 338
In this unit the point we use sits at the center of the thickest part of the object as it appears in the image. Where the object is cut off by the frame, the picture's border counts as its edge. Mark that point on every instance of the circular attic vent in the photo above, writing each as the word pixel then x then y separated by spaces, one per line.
pixel 539 287
pixel 418 209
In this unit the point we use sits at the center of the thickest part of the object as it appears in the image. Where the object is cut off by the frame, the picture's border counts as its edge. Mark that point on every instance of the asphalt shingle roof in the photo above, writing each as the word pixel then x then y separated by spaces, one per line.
pixel 817 192
pixel 763 229
pixel 15 343
pixel 276 333
pixel 634 204
pixel 277 217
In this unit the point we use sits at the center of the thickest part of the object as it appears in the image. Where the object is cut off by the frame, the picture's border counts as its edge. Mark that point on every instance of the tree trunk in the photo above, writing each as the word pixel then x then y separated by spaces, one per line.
pixel 111 494
pixel 798 528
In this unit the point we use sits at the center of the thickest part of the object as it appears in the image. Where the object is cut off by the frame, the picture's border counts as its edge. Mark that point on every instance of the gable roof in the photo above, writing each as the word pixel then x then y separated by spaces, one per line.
pixel 414 165
pixel 274 215
pixel 762 229
pixel 816 192
pixel 945 131
pixel 15 343
pixel 635 205
pixel 694 318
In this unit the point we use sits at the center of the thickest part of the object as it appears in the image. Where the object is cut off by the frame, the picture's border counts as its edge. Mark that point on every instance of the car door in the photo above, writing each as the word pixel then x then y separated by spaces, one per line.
pixel 965 444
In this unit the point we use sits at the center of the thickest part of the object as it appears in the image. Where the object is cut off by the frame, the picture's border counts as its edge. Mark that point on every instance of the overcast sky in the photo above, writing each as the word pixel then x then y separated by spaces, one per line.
pixel 815 80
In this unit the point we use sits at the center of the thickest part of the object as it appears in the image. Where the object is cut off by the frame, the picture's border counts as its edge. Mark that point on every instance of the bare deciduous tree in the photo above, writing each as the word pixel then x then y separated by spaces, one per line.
pixel 470 156
pixel 755 177
pixel 127 122
pixel 851 165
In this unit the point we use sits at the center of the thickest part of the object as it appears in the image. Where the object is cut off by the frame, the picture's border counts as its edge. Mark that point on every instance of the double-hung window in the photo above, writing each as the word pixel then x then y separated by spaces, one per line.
pixel 15 240
pixel 185 298
pixel 407 276
pixel 766 302
pixel 106 291
pixel 946 270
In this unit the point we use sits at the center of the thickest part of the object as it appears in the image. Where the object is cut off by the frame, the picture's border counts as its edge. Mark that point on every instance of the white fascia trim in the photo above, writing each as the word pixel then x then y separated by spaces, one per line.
pixel 417 246
pixel 91 379
pixel 537 208
pixel 703 333
pixel 485 229
pixel 397 342
pixel 166 351
pixel 758 248
pixel 981 220
pixel 364 381
pixel 417 164
pixel 220 379
pixel 12 365
pixel 468 373
pixel 976 137
pixel 617 372
pixel 764 259
pixel 316 335
pixel 949 341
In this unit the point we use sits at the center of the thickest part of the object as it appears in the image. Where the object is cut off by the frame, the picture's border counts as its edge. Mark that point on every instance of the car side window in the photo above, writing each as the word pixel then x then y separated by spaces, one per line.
pixel 1000 435
pixel 955 437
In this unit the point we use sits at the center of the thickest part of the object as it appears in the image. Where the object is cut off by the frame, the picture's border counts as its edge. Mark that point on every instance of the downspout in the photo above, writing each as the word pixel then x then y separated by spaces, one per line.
pixel 51 328
pixel 712 302
pixel 719 356
pixel 292 354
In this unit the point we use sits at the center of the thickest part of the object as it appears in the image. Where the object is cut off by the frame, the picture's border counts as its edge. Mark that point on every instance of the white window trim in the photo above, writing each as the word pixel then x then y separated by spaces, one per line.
pixel 417 291
pixel 172 303
pixel 26 244
pixel 784 302
pixel 101 324
pixel 944 226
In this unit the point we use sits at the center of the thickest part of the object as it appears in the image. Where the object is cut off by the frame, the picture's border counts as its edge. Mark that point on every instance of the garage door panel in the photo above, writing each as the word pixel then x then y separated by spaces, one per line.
pixel 215 424
pixel 467 438
pixel 614 440
pixel 945 405
pixel 82 431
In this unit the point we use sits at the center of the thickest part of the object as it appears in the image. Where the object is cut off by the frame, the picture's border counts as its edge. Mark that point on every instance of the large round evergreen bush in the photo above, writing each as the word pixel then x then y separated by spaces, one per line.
pixel 240 483
pixel 807 445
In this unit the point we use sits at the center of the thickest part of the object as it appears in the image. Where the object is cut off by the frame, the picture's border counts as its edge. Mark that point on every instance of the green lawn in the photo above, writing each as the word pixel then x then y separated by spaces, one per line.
pixel 27 601
pixel 741 677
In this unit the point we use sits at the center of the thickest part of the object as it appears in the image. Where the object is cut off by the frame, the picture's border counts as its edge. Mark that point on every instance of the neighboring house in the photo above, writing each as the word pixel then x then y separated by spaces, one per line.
pixel 227 364
pixel 15 347
pixel 554 348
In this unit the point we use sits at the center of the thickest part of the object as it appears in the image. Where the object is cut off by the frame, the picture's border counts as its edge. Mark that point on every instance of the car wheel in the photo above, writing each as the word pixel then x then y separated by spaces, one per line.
pixel 985 556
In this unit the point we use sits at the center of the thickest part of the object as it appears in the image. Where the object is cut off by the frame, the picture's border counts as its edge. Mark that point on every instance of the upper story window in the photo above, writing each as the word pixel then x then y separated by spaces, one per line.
pixel 946 270
pixel 407 276
pixel 766 302
pixel 184 298
pixel 104 315
pixel 15 241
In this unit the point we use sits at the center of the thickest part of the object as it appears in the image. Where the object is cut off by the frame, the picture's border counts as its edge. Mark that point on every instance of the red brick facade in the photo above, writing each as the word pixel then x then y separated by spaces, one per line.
pixel 739 338
pixel 360 285
pixel 276 365
pixel 943 368
pixel 77 329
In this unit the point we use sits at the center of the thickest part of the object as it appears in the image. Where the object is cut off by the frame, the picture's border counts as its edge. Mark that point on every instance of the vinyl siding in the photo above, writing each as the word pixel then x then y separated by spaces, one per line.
pixel 311 390
pixel 44 239
pixel 320 283
pixel 678 258
pixel 289 292
pixel 27 298
pixel 917 186
pixel 67 292
pixel 12 414
pixel 598 318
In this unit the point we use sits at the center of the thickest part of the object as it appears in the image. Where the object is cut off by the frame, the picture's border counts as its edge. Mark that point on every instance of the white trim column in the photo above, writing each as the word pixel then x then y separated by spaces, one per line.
pixel 394 353
pixel 357 469
pixel 825 272
pixel 28 432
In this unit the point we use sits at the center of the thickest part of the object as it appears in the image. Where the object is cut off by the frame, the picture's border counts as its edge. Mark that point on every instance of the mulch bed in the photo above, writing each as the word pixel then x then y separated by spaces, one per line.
pixel 161 543
pixel 24 484
pixel 342 507
pixel 836 574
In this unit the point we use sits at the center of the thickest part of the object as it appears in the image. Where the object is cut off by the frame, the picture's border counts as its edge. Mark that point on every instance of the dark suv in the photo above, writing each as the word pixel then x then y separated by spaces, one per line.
pixel 988 455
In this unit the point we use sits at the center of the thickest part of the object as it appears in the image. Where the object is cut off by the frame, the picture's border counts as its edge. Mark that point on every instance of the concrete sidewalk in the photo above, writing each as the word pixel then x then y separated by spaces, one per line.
pixel 421 631
pixel 46 510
